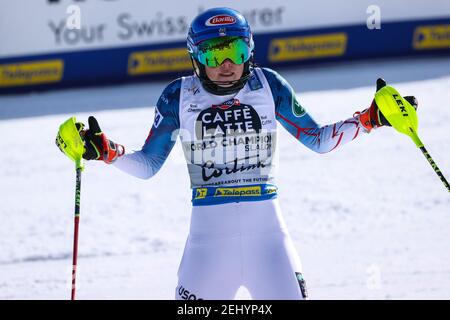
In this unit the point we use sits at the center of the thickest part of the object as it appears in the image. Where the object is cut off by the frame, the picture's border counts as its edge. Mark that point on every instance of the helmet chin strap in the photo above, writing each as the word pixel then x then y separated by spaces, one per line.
pixel 217 87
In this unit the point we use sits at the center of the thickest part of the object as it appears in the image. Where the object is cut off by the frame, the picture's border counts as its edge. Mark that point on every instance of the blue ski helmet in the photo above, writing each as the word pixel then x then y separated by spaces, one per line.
pixel 215 35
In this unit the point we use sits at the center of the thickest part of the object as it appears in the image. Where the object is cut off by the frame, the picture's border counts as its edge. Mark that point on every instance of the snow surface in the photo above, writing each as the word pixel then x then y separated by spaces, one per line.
pixel 370 220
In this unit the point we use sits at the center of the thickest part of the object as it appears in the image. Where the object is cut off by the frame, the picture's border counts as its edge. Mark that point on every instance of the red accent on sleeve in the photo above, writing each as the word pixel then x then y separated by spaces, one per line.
pixel 356 134
pixel 149 135
pixel 299 129
pixel 335 133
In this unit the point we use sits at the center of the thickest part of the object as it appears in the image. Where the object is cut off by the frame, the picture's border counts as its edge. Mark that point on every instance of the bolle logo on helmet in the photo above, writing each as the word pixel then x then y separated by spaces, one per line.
pixel 220 20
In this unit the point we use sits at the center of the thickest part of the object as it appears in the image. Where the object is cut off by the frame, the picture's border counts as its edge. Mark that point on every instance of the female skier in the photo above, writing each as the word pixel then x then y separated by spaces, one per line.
pixel 226 116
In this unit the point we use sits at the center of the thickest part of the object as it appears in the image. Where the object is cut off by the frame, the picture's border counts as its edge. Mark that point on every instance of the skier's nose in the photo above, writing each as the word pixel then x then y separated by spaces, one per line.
pixel 227 64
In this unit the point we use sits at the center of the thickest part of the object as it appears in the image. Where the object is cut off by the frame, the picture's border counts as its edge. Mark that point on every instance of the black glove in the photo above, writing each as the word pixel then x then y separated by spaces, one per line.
pixel 97 146
pixel 372 118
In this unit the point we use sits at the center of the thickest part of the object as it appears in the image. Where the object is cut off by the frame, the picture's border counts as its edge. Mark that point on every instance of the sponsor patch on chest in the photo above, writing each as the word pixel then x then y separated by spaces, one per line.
pixel 227 119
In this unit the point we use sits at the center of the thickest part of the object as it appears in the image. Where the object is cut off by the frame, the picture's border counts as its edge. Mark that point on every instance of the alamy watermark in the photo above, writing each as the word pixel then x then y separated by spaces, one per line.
pixel 374 19
pixel 73 21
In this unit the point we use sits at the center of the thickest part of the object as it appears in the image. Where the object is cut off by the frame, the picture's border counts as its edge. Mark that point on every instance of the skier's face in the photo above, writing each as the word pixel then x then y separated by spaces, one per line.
pixel 227 71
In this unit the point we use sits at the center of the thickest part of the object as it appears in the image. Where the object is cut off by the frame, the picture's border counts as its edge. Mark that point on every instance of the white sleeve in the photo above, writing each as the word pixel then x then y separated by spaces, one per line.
pixel 135 164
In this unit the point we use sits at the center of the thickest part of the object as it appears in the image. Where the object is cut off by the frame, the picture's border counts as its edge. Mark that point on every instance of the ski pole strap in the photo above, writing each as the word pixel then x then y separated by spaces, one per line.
pixel 435 167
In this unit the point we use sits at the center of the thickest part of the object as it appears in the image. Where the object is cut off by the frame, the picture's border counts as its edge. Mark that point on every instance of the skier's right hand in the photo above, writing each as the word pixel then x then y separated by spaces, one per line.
pixel 97 146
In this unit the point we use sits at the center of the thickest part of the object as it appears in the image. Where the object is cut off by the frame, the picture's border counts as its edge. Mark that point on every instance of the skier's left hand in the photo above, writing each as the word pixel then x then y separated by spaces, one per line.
pixel 97 146
pixel 372 118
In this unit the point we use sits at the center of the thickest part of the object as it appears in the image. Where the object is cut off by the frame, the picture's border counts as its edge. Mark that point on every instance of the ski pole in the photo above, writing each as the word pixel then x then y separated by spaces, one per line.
pixel 75 232
pixel 403 117
pixel 435 167
pixel 70 143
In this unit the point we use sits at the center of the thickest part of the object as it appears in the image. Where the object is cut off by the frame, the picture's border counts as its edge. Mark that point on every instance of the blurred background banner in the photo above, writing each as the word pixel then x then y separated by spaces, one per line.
pixel 55 43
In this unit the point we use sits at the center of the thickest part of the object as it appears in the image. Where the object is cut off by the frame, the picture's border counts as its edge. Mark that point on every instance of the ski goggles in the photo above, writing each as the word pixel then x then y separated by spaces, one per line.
pixel 214 52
